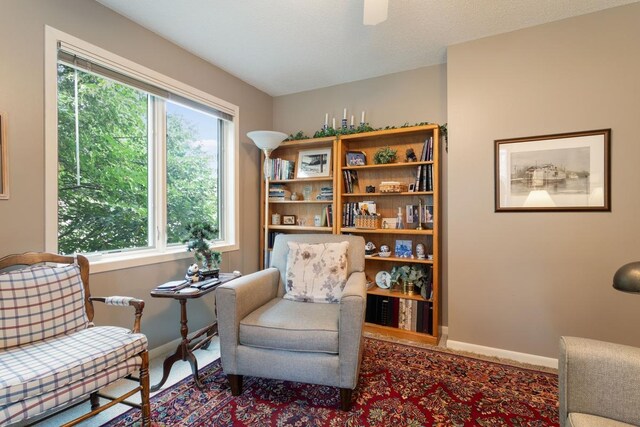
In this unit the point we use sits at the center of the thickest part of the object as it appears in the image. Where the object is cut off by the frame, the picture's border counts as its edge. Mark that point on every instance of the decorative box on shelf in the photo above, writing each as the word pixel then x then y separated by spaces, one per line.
pixel 367 221
pixel 392 187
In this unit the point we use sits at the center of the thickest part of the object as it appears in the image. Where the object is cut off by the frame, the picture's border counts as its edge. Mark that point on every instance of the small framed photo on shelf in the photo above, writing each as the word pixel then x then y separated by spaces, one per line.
pixel 404 248
pixel 356 158
pixel 314 163
pixel 289 219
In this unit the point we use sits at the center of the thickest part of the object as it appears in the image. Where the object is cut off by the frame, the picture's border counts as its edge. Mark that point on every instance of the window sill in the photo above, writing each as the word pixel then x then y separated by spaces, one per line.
pixel 111 262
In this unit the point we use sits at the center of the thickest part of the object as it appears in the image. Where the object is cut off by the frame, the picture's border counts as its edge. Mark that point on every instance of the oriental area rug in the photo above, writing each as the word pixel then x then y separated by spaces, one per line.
pixel 399 385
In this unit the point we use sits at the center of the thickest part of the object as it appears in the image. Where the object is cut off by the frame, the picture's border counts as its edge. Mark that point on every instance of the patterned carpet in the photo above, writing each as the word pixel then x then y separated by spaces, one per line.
pixel 399 385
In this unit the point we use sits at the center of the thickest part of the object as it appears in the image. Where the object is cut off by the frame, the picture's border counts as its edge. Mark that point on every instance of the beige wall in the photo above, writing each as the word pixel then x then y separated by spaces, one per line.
pixel 518 281
pixel 412 96
pixel 22 97
pixel 408 97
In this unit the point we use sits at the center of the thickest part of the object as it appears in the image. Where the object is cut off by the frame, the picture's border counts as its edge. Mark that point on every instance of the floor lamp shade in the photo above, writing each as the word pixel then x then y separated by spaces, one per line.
pixel 267 140
pixel 627 278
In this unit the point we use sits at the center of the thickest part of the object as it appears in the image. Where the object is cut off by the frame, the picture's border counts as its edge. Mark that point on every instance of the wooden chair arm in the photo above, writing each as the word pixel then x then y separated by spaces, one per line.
pixel 138 304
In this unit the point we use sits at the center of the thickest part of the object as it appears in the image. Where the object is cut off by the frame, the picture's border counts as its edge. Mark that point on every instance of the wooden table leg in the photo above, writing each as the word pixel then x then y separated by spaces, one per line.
pixel 213 330
pixel 181 353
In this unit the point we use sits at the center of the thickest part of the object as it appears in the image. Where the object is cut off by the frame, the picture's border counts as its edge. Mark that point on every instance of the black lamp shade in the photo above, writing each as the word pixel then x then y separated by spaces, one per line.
pixel 627 278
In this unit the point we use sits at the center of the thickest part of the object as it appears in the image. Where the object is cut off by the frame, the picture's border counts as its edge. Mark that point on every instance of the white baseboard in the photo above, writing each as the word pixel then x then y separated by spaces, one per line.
pixel 167 348
pixel 505 354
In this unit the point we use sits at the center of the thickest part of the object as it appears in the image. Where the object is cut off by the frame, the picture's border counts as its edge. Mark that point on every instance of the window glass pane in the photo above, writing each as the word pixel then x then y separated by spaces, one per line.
pixel 193 170
pixel 103 189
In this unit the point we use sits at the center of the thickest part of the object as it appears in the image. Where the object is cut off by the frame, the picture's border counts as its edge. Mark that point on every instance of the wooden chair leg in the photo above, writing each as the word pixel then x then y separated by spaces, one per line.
pixel 235 382
pixel 95 400
pixel 145 406
pixel 345 399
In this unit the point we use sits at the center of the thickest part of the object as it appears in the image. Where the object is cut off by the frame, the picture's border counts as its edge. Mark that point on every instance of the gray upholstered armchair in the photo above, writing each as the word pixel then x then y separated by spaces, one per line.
pixel 265 335
pixel 599 383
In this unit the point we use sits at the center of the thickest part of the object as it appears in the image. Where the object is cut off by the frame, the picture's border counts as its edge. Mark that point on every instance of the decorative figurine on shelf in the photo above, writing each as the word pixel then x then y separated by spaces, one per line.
pixel 411 155
pixel 420 251
pixel 385 251
pixel 370 189
pixel 369 248
pixel 306 192
pixel 294 196
pixel 399 219
pixel 193 273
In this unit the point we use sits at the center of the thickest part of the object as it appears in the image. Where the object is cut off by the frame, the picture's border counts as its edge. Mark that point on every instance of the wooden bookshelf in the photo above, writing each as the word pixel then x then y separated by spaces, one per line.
pixel 387 204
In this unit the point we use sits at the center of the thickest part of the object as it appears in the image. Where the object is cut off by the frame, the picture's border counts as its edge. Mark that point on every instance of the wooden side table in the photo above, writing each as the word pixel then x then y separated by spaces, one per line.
pixel 201 339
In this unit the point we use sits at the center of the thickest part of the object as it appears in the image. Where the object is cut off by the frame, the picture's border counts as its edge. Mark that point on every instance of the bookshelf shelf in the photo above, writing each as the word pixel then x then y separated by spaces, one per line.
pixel 388 165
pixel 405 193
pixel 299 228
pixel 400 333
pixel 301 202
pixel 318 179
pixel 395 294
pixel 394 231
pixel 395 259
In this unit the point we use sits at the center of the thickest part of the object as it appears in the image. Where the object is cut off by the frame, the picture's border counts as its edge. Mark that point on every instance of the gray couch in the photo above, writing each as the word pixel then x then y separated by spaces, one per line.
pixel 264 335
pixel 599 383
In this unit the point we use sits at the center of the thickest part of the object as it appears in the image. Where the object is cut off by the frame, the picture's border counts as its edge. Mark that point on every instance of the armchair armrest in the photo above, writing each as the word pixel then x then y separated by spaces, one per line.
pixel 138 304
pixel 351 321
pixel 599 378
pixel 234 301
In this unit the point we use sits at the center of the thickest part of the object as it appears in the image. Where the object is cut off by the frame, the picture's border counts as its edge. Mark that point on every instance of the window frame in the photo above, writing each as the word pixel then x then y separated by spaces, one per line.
pixel 161 252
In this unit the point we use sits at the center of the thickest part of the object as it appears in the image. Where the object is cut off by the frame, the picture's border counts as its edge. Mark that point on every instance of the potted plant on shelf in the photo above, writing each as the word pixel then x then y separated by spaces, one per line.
pixel 413 276
pixel 384 155
pixel 198 240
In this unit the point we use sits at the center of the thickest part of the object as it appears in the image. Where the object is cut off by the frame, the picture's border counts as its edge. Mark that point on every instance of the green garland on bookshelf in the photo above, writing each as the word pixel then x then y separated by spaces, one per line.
pixel 364 127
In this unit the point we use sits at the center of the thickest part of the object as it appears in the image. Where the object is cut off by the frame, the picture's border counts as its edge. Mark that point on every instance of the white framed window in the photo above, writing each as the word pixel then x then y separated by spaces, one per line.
pixel 131 158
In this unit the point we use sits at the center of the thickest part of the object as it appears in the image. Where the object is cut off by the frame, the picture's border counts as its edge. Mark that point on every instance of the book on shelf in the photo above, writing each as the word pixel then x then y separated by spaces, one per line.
pixel 385 311
pixel 278 192
pixel 326 193
pixel 416 186
pixel 395 312
pixel 327 216
pixel 350 179
pixel 405 314
pixel 281 169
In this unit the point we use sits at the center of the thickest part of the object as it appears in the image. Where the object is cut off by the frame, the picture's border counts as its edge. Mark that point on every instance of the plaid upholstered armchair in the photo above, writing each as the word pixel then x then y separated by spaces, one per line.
pixel 51 354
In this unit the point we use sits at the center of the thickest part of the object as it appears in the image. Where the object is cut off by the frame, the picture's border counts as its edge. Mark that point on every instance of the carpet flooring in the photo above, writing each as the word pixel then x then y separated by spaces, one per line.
pixel 399 385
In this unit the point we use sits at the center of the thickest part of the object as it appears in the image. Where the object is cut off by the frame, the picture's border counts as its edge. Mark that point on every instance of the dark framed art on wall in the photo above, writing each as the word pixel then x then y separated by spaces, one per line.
pixel 559 172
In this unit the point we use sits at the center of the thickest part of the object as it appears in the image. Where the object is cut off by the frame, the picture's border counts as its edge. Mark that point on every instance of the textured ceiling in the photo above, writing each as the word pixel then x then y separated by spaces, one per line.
pixel 289 46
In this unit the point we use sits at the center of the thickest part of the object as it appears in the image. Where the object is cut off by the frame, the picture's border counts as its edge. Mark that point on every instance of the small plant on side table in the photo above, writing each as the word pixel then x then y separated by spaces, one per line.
pixel 198 240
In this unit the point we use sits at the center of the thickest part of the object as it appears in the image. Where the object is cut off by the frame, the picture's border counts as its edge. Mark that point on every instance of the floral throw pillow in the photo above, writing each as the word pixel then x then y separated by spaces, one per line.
pixel 316 272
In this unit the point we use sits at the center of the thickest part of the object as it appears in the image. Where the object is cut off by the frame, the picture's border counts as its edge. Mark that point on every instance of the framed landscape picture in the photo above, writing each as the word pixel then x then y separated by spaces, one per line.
pixel 561 172
pixel 314 163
